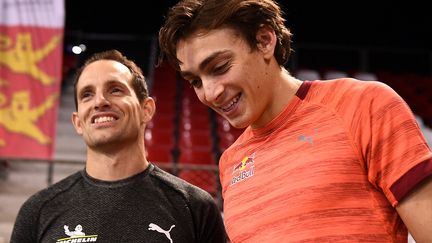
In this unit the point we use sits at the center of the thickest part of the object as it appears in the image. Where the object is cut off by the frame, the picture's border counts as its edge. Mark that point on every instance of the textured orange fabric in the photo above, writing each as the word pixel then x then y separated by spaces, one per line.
pixel 323 169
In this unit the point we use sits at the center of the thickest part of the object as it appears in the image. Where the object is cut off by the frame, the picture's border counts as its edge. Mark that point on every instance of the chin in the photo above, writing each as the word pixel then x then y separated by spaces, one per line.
pixel 101 141
pixel 239 124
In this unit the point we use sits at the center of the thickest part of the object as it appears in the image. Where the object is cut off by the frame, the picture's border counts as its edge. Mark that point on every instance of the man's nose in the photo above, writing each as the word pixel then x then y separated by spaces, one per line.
pixel 212 91
pixel 101 100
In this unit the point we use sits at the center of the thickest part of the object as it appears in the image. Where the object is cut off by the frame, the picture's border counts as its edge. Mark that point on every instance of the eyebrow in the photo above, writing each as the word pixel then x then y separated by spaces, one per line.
pixel 210 58
pixel 205 62
pixel 112 82
pixel 84 89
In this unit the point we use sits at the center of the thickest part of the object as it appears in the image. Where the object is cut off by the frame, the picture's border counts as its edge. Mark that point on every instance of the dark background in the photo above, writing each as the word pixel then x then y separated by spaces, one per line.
pixel 396 35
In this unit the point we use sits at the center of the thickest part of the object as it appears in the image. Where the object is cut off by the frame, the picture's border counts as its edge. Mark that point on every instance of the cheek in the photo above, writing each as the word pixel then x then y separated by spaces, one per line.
pixel 84 116
pixel 200 94
pixel 138 112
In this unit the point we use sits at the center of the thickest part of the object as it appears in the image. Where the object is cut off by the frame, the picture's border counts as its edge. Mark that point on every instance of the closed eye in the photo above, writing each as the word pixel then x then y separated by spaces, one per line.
pixel 218 70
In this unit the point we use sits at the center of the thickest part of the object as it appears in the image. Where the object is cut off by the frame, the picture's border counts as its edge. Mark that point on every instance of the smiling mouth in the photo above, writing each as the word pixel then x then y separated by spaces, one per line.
pixel 103 119
pixel 231 104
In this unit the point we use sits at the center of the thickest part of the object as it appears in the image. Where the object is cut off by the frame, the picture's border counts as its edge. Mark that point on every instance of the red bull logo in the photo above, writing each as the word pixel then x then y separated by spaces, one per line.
pixel 244 169
pixel 244 163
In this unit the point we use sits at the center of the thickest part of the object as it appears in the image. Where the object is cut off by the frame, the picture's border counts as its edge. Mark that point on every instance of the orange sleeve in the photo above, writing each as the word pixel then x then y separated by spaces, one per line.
pixel 397 155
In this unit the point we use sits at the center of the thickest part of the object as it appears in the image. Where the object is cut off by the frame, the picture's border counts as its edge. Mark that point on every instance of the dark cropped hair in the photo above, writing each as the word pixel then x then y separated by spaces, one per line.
pixel 139 84
pixel 245 16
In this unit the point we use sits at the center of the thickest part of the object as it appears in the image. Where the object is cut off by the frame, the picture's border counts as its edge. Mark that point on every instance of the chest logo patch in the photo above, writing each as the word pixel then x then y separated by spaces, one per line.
pixel 243 170
pixel 76 235
pixel 160 230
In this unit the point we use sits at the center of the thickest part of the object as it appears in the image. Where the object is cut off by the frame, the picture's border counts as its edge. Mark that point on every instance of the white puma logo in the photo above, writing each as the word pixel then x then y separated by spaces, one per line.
pixel 160 230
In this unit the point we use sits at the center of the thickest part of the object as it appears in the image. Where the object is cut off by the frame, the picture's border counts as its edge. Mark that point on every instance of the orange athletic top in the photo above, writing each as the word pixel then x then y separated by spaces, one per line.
pixel 330 168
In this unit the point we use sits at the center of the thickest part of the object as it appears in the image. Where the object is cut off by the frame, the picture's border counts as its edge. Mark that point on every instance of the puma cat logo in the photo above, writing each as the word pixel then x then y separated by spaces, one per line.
pixel 160 230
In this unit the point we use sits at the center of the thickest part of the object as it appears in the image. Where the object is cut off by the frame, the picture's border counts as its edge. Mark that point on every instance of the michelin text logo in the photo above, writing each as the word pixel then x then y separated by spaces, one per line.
pixel 76 236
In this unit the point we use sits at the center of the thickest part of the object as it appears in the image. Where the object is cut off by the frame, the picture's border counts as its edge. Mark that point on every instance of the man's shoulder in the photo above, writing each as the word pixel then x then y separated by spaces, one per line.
pixel 349 84
pixel 328 91
pixel 43 196
pixel 180 186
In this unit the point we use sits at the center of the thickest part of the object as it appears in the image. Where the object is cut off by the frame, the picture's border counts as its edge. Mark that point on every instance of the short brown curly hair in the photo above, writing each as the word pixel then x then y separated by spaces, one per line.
pixel 245 16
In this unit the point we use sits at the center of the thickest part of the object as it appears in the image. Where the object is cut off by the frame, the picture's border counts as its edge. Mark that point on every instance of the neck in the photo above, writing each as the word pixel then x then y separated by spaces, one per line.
pixel 116 165
pixel 287 87
pixel 284 91
pixel 284 87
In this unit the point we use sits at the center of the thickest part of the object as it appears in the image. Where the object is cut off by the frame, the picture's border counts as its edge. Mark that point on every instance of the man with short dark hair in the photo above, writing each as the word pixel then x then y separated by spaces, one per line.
pixel 119 196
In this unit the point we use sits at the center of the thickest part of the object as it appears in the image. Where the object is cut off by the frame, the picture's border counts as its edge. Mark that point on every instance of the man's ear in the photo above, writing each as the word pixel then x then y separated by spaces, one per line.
pixel 76 122
pixel 266 40
pixel 149 108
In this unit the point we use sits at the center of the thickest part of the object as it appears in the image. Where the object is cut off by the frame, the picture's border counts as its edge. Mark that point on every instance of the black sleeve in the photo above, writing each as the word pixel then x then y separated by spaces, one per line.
pixel 208 219
pixel 24 230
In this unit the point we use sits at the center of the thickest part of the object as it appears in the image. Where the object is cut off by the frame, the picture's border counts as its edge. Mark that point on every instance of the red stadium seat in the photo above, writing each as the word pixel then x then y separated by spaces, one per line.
pixel 195 156
pixel 155 137
pixel 161 154
pixel 195 139
pixel 165 122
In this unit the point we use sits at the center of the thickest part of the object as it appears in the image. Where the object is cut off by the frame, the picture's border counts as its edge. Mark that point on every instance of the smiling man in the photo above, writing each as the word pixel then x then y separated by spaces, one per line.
pixel 119 196
pixel 319 161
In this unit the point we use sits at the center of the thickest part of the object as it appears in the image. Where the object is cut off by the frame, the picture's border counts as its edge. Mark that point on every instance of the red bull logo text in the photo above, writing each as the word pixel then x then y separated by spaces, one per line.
pixel 244 169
